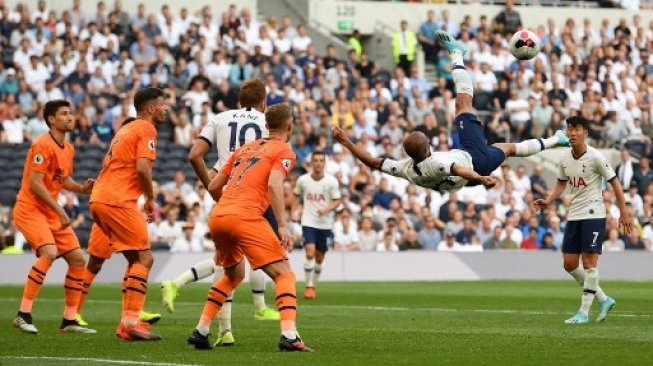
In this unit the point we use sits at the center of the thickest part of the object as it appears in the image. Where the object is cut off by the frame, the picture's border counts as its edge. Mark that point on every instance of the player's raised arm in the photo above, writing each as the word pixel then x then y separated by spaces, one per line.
pixel 196 158
pixel 360 153
pixel 472 176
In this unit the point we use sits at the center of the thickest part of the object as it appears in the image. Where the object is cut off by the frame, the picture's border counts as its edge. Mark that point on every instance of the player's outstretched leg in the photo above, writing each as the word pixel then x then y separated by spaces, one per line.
pixel 309 270
pixel 35 279
pixel 261 310
pixel 217 296
pixel 73 287
pixel 170 289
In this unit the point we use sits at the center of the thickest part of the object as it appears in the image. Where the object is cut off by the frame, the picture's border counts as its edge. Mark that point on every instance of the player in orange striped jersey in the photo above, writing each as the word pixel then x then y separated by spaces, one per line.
pixel 126 174
pixel 48 169
pixel 252 180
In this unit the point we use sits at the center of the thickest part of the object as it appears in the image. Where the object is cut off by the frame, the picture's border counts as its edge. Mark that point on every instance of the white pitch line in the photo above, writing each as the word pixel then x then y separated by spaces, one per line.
pixel 100 360
pixel 621 314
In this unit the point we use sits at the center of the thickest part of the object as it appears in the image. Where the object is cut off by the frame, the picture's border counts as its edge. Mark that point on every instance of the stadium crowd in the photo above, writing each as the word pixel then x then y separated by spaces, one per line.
pixel 599 70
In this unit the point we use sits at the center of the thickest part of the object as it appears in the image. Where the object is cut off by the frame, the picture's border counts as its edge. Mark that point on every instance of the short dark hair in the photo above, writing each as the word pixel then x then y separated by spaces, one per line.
pixel 129 120
pixel 318 152
pixel 252 93
pixel 578 121
pixel 277 115
pixel 144 96
pixel 52 107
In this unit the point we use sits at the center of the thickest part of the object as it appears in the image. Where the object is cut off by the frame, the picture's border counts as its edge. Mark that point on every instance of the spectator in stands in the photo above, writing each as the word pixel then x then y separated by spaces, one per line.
pixel 169 230
pixel 345 232
pixel 186 242
pixel 547 243
pixel 36 126
pixel 633 241
pixel 388 243
pixel 368 237
pixel 643 176
pixel 410 241
pixel 539 187
pixel 508 21
pixel 70 204
pixel 556 232
pixel 383 196
pixel 468 232
pixel 613 243
pixel 12 129
pixel 179 183
pixel 449 244
pixel 404 45
pixel 530 242
pixel 9 84
pixel 429 236
pixel 426 36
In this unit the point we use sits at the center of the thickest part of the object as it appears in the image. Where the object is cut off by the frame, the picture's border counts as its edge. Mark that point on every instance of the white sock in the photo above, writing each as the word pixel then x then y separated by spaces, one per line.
pixel 462 80
pixel 317 272
pixel 257 282
pixel 200 270
pixel 224 316
pixel 589 290
pixel 290 334
pixel 309 267
pixel 202 329
pixel 218 271
pixel 579 275
pixel 533 146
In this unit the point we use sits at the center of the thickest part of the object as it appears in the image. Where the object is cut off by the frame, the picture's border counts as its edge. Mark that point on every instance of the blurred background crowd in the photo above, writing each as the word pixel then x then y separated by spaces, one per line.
pixel 97 60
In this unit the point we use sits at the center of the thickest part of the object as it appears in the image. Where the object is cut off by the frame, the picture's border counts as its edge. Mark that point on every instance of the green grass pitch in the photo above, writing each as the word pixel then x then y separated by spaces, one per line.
pixel 414 323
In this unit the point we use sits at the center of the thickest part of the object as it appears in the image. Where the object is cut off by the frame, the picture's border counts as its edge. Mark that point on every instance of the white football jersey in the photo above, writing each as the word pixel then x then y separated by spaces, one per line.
pixel 317 194
pixel 585 176
pixel 231 129
pixel 434 172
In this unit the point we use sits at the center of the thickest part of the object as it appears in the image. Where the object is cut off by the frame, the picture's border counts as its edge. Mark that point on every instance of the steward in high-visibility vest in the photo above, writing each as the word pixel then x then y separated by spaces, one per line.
pixel 404 47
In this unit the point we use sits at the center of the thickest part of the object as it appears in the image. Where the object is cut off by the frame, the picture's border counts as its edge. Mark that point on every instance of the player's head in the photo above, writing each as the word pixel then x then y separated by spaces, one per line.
pixel 577 130
pixel 58 116
pixel 278 119
pixel 252 94
pixel 318 160
pixel 151 104
pixel 417 146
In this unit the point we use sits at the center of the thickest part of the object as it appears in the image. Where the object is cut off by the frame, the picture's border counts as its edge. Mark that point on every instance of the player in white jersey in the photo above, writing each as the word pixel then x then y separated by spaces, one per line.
pixel 227 131
pixel 320 194
pixel 473 162
pixel 584 168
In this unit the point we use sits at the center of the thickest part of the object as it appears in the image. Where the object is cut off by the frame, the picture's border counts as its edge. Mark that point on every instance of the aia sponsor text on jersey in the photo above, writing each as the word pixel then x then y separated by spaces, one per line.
pixel 319 197
pixel 577 182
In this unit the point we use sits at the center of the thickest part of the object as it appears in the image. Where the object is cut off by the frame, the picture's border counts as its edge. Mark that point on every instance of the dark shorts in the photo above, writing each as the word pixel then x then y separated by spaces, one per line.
pixel 272 220
pixel 584 236
pixel 485 159
pixel 320 237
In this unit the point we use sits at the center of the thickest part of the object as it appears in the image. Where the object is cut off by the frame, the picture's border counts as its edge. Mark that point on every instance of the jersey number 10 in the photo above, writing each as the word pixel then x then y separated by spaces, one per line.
pixel 240 135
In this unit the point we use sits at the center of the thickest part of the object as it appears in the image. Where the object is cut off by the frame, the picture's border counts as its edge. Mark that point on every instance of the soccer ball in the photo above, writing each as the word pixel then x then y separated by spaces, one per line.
pixel 524 45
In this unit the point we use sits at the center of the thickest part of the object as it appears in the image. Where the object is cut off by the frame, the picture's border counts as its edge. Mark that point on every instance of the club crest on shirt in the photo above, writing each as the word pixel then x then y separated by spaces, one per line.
pixel 38 159
pixel 152 145
pixel 287 163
